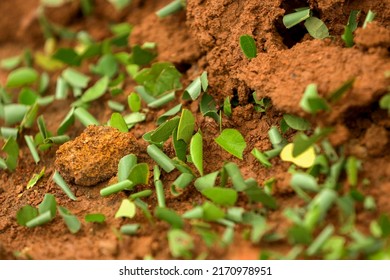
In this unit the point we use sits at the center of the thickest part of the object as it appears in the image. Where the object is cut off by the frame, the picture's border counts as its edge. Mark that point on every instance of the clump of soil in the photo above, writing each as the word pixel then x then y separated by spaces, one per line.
pixel 93 156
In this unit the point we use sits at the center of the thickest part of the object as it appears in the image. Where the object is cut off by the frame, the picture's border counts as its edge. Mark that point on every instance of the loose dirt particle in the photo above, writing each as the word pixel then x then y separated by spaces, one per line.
pixel 93 157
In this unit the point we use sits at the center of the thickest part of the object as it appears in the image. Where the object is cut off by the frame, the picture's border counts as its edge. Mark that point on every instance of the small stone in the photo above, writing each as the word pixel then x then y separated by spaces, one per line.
pixel 93 156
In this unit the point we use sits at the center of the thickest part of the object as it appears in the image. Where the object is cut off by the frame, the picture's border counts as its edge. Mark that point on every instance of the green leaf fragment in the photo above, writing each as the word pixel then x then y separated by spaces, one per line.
pixel 75 78
pixel 170 216
pixel 235 175
pixel 165 130
pixel 180 243
pixel 71 221
pixel 125 166
pixel 57 178
pixel 369 18
pixel 196 151
pixel 160 158
pixel 211 212
pixel 208 107
pixel 120 186
pixel 10 62
pixel 321 239
pixel 232 141
pixel 39 220
pixel 186 126
pixel 134 102
pixel 85 117
pixel 248 46
pixel 21 77
pixel 68 56
pixel 311 102
pixel 221 196
pixel 96 91
pixel 262 158
pixel 129 229
pixel 106 66
pixel 95 218
pixel 316 28
pixel 30 143
pixel 256 194
pixel 118 122
pixel 295 18
pixel 26 214
pixel 11 148
pixel 126 210
pixel 14 113
pixel 206 181
pixel 296 123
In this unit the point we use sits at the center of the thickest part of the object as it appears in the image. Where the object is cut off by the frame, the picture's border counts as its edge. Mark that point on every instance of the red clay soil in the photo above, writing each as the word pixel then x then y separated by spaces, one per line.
pixel 205 37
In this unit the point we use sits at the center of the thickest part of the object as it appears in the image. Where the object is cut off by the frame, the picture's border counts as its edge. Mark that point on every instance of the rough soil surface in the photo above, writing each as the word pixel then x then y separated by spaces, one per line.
pixel 93 156
pixel 205 37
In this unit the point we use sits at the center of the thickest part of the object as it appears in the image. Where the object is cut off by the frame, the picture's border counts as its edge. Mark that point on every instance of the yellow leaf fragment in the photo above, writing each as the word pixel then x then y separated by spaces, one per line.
pixel 305 160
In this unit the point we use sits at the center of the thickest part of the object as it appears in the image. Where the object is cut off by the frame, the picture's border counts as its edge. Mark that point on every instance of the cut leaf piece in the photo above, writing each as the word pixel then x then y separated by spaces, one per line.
pixel 186 126
pixel 305 159
pixel 96 91
pixel 118 122
pixel 129 229
pixel 232 141
pixel 21 77
pixel 294 18
pixel 57 178
pixel 95 218
pixel 212 212
pixel 248 46
pixel 221 196
pixel 71 221
pixel 296 123
pixel 26 214
pixel 316 28
pixel 196 151
pixel 126 210
pixel 35 178
pixel 170 217
pixel 180 243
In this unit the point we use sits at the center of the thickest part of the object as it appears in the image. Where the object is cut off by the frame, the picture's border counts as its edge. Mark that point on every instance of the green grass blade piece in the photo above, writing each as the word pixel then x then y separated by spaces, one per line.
pixel 181 183
pixel 75 78
pixel 3 164
pixel 70 220
pixel 194 213
pixel 319 206
pixel 159 186
pixel 95 218
pixel 10 62
pixel 262 158
pixel 235 175
pixel 207 181
pixel 116 106
pixel 196 151
pixel 134 102
pixel 305 182
pixel 193 90
pixel 186 126
pixel 310 96
pixel 129 229
pixel 21 77
pixel 96 91
pixel 60 139
pixel 85 117
pixel 352 168
pixel 170 216
pixel 14 113
pixel 232 141
pixel 145 209
pixel 31 146
pixel 180 146
pixel 7 132
pixel 160 158
pixel 146 96
pixel 294 18
pixel 62 89
pixel 164 131
pixel 275 137
pixel 120 186
pixel 125 166
pixel 141 194
pixel 316 28
pixel 66 123
pixel 338 93
pixel 352 20
pixel 11 148
pixel 369 18
pixel 163 100
pixel 134 118
pixel 42 127
pixel 26 214
pixel 126 210
pixel 171 8
pixel 57 178
pixel 40 220
pixel 227 107
pixel 347 37
pixel 35 178
pixel 319 242
pixel 248 46
pixel 212 212
pixel 235 214
pixel 221 196
pixel 296 122
pixel 228 236
pixel 44 82
pixel 118 122
pixel 173 111
pixel 204 81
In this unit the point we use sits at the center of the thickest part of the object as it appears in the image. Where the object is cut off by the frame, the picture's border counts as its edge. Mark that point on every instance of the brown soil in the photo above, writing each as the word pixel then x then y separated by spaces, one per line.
pixel 205 37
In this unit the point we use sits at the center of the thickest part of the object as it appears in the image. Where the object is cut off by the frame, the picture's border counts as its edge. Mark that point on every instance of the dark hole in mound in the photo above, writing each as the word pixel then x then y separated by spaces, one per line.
pixel 295 34
pixel 183 67
pixel 235 100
